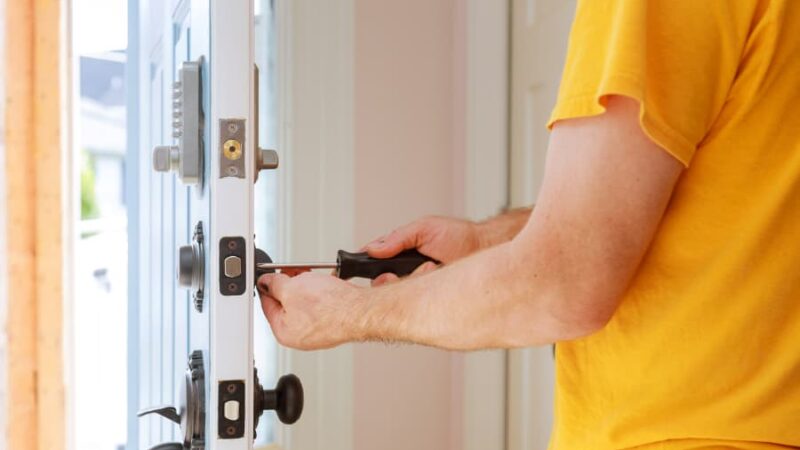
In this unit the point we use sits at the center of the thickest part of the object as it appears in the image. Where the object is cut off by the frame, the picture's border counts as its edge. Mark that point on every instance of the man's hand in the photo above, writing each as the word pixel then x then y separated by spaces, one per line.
pixel 447 239
pixel 311 310
pixel 442 238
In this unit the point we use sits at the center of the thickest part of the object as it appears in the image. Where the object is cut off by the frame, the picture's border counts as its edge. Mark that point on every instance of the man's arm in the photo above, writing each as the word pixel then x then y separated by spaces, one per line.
pixel 605 190
pixel 503 227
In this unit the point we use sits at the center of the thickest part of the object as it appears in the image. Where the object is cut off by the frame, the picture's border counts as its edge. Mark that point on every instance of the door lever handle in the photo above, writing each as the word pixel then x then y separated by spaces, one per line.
pixel 167 412
pixel 168 446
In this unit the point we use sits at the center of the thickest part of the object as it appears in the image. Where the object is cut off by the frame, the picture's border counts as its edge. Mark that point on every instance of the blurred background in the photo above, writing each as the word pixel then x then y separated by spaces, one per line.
pixel 100 40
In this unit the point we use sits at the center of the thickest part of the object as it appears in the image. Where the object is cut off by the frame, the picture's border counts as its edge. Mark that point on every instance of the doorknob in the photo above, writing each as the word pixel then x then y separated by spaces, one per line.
pixel 286 399
pixel 186 158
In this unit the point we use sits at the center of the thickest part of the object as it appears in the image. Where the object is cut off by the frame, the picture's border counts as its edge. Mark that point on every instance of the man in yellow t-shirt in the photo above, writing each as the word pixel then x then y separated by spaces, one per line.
pixel 664 251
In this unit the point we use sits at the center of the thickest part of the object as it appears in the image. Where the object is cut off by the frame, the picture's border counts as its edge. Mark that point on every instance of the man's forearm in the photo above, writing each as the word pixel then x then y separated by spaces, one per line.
pixel 503 227
pixel 493 299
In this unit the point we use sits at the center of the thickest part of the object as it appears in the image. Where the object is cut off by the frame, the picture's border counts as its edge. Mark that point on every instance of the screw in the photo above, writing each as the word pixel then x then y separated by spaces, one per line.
pixel 231 388
pixel 231 430
pixel 233 128
pixel 198 301
pixel 232 245
pixel 232 287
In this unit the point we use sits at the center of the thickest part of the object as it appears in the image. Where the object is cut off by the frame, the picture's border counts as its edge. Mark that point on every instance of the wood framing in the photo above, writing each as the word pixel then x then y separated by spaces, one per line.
pixel 33 177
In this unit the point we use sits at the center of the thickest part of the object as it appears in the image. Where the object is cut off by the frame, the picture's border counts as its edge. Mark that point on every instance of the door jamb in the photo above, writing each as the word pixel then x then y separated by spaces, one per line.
pixel 316 195
pixel 486 194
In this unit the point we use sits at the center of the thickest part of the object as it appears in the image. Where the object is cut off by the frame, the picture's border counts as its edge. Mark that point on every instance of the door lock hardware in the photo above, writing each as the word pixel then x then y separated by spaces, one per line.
pixel 230 413
pixel 356 265
pixel 265 159
pixel 232 148
pixel 186 157
pixel 232 263
pixel 191 267
pixel 168 446
pixel 191 412
pixel 286 399
pixel 261 257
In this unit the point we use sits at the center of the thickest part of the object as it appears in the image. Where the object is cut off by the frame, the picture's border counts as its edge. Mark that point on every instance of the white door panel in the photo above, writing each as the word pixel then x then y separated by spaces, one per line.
pixel 216 330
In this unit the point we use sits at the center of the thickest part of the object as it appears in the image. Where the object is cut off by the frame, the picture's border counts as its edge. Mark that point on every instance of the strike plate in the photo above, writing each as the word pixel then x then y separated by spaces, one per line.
pixel 230 412
pixel 232 266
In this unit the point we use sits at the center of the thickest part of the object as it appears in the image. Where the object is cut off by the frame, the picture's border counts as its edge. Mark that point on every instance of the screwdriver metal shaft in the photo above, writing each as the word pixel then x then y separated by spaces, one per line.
pixel 281 266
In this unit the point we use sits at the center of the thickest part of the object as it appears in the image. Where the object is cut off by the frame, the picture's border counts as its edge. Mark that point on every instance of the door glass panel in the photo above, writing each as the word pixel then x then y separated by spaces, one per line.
pixel 266 198
pixel 99 309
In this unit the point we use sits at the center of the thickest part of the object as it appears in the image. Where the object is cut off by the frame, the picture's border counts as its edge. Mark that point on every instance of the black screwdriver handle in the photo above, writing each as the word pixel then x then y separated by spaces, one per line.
pixel 361 265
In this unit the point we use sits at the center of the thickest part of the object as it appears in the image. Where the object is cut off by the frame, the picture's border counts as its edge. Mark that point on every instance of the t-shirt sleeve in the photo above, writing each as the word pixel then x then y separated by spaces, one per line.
pixel 677 58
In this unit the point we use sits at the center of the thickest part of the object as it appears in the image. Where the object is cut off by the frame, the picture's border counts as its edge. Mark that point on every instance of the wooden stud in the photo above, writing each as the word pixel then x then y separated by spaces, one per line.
pixel 33 174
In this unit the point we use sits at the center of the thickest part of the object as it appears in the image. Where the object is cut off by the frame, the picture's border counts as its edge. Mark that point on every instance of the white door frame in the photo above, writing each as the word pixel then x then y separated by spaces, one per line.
pixel 316 205
pixel 487 193
pixel 536 73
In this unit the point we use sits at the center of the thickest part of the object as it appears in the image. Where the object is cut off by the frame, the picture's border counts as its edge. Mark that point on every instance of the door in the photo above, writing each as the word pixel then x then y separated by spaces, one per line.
pixel 193 378
pixel 539 32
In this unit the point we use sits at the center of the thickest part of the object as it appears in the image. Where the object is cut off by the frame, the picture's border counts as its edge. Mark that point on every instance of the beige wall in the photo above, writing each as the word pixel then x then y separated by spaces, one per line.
pixel 409 161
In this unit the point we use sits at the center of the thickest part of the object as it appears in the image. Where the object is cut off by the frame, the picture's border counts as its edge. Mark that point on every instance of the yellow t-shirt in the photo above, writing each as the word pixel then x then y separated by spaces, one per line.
pixel 704 349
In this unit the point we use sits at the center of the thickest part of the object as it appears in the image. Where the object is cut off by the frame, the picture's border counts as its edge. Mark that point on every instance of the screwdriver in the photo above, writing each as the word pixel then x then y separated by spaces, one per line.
pixel 358 265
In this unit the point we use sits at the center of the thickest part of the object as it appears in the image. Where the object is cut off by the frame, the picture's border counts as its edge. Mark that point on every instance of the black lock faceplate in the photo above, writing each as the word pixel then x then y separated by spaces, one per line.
pixel 232 246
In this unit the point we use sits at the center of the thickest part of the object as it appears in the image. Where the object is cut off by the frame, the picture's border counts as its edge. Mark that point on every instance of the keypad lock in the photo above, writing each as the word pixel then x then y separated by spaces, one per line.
pixel 186 157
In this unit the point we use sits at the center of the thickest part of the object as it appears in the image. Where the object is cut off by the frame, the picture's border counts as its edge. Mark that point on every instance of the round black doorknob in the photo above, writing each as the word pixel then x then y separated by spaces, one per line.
pixel 286 399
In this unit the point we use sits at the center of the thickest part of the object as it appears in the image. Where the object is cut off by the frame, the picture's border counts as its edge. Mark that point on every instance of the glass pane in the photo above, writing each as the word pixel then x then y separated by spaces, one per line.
pixel 99 314
pixel 266 198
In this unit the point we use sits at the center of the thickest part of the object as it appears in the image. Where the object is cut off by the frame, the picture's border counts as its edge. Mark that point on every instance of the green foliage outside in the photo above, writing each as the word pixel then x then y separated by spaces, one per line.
pixel 89 208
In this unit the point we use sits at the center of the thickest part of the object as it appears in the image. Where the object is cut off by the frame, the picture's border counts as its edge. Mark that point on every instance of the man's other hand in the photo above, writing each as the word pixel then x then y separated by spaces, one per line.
pixel 310 310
